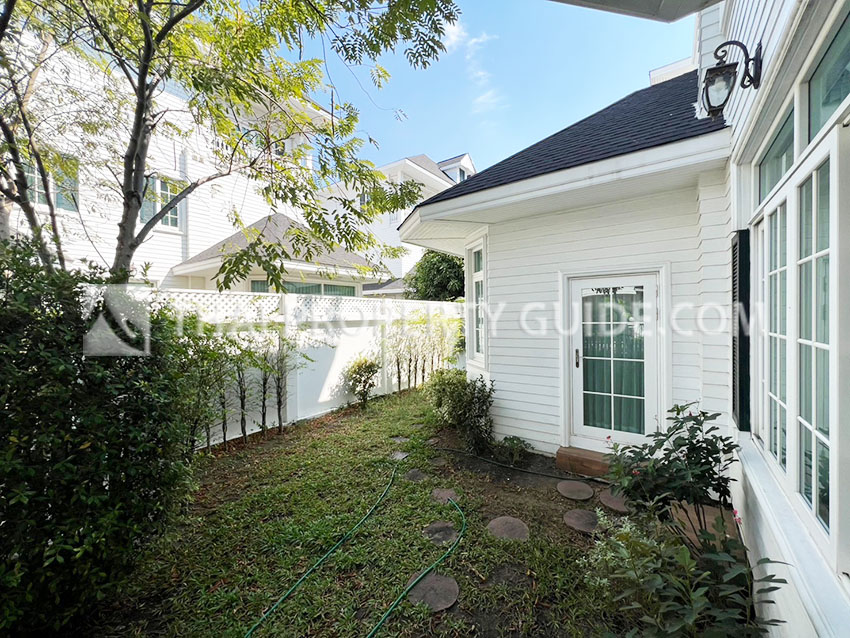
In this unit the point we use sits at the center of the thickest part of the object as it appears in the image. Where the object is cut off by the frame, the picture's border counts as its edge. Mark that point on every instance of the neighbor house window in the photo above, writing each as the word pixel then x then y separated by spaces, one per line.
pixel 330 290
pixel 461 175
pixel 478 301
pixel 259 285
pixel 830 83
pixel 813 341
pixel 778 159
pixel 336 290
pixel 63 182
pixel 158 194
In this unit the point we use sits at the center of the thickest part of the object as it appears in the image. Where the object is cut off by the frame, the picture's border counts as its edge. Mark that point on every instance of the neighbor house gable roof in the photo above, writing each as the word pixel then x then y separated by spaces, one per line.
pixel 654 116
pixel 274 229
pixel 426 163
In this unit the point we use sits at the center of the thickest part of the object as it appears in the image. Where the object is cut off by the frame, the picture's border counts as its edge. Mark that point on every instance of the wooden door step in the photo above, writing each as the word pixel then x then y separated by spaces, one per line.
pixel 578 461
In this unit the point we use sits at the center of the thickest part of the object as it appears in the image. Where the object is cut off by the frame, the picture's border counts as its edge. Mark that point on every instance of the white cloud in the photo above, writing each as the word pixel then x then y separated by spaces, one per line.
pixel 475 43
pixel 454 37
pixel 490 100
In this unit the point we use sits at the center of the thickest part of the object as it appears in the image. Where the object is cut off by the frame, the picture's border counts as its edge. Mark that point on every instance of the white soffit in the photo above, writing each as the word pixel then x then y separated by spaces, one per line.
pixel 662 10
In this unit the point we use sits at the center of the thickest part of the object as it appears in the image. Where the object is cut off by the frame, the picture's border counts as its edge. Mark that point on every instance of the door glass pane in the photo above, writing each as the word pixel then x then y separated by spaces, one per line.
pixel 782 309
pixel 806 382
pixel 822 389
pixel 628 378
pixel 806 300
pixel 806 220
pixel 783 369
pixel 628 341
pixel 783 236
pixel 628 415
pixel 613 349
pixel 823 207
pixel 596 340
pixel 782 418
pixel 806 462
pixel 597 375
pixel 823 483
pixel 478 261
pixel 774 364
pixel 596 305
pixel 774 302
pixel 822 301
pixel 773 426
pixel 597 410
pixel 628 304
pixel 772 242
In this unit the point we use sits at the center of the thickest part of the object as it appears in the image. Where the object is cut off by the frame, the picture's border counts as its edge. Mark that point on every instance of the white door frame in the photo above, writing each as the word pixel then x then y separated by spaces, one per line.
pixel 662 349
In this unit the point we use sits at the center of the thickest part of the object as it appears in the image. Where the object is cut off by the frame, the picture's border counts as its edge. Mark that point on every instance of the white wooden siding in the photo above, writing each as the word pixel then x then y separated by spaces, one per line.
pixel 687 229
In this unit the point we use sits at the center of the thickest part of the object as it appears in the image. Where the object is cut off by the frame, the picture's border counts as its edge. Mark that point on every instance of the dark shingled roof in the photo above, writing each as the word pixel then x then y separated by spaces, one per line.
pixel 391 286
pixel 660 114
pixel 273 229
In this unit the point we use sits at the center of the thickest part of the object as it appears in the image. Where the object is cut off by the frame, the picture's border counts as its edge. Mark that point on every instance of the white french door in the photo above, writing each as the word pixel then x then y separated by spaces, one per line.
pixel 614 357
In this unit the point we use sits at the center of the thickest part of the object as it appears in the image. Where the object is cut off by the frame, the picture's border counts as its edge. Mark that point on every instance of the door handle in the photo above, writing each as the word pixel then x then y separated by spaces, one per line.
pixel 577 358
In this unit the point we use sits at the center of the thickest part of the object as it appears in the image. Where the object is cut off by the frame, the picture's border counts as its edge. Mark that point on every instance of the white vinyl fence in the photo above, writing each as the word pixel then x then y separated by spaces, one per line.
pixel 329 331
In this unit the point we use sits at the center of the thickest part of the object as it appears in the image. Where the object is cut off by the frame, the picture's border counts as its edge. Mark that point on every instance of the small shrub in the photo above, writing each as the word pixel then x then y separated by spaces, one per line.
pixel 361 377
pixel 690 577
pixel 465 406
pixel 511 450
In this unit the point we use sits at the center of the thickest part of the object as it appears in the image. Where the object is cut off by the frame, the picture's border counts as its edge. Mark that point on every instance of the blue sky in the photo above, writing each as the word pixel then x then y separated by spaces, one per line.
pixel 515 71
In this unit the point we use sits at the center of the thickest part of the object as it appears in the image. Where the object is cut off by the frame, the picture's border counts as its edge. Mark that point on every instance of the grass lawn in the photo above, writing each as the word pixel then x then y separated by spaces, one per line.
pixel 264 514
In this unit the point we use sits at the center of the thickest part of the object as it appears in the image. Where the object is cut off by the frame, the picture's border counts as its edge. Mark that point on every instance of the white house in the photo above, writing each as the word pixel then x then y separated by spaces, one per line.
pixel 434 177
pixel 651 255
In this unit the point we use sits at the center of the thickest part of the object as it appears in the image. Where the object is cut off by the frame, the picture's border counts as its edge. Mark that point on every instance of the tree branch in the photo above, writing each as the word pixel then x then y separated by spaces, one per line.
pixel 6 16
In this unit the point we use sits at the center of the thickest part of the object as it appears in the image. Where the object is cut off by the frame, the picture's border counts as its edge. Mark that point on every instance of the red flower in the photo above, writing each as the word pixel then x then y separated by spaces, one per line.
pixel 635 472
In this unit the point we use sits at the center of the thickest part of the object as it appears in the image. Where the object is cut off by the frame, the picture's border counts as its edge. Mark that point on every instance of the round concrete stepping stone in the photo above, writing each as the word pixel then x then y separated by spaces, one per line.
pixel 399 439
pixel 415 475
pixel 417 426
pixel 438 592
pixel 433 442
pixel 575 490
pixel 509 528
pixel 443 495
pixel 438 461
pixel 399 456
pixel 441 532
pixel 616 502
pixel 581 520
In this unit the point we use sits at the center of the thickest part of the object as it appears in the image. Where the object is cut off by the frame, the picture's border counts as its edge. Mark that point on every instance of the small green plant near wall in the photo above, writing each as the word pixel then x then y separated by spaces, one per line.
pixel 465 406
pixel 512 450
pixel 680 569
pixel 361 377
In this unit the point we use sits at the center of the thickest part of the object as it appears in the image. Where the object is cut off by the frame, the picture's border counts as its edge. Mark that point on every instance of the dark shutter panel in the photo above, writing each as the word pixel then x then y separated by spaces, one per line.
pixel 741 329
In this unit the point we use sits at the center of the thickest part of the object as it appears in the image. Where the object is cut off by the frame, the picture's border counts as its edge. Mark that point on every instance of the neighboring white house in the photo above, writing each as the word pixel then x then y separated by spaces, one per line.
pixel 609 264
pixel 434 177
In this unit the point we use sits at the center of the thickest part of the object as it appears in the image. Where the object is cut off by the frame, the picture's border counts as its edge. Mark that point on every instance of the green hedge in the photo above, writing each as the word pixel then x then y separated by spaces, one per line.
pixel 94 452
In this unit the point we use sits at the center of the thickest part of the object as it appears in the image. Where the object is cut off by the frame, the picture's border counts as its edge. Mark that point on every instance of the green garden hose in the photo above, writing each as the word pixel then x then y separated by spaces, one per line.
pixel 318 563
pixel 407 589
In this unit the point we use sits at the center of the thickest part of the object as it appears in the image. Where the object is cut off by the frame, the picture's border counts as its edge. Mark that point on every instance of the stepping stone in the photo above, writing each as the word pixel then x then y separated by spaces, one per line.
pixel 509 528
pixel 443 495
pixel 415 475
pixel 417 426
pixel 399 456
pixel 616 502
pixel 438 592
pixel 581 520
pixel 575 490
pixel 438 461
pixel 433 442
pixel 399 439
pixel 441 532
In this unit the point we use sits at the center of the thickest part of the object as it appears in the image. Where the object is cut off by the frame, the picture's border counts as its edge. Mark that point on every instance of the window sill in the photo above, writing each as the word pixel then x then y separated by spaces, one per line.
pixel 818 586
pixel 165 230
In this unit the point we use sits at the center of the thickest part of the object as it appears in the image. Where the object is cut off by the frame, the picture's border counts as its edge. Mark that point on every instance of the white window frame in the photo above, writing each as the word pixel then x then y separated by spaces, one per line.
pixel 165 185
pixel 787 192
pixel 472 355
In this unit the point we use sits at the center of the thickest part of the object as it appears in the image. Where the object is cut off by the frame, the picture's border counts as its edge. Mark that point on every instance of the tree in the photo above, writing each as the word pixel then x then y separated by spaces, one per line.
pixel 435 277
pixel 249 87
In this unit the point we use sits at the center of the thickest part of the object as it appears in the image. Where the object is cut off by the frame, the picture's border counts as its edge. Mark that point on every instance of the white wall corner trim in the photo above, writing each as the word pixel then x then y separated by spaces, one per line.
pixel 822 594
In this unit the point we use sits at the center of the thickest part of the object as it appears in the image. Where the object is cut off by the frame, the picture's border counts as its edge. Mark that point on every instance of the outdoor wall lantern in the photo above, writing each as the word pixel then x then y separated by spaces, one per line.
pixel 720 79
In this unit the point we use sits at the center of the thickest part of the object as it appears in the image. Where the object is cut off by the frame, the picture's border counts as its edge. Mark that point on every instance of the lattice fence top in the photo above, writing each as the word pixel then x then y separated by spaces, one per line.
pixel 245 307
